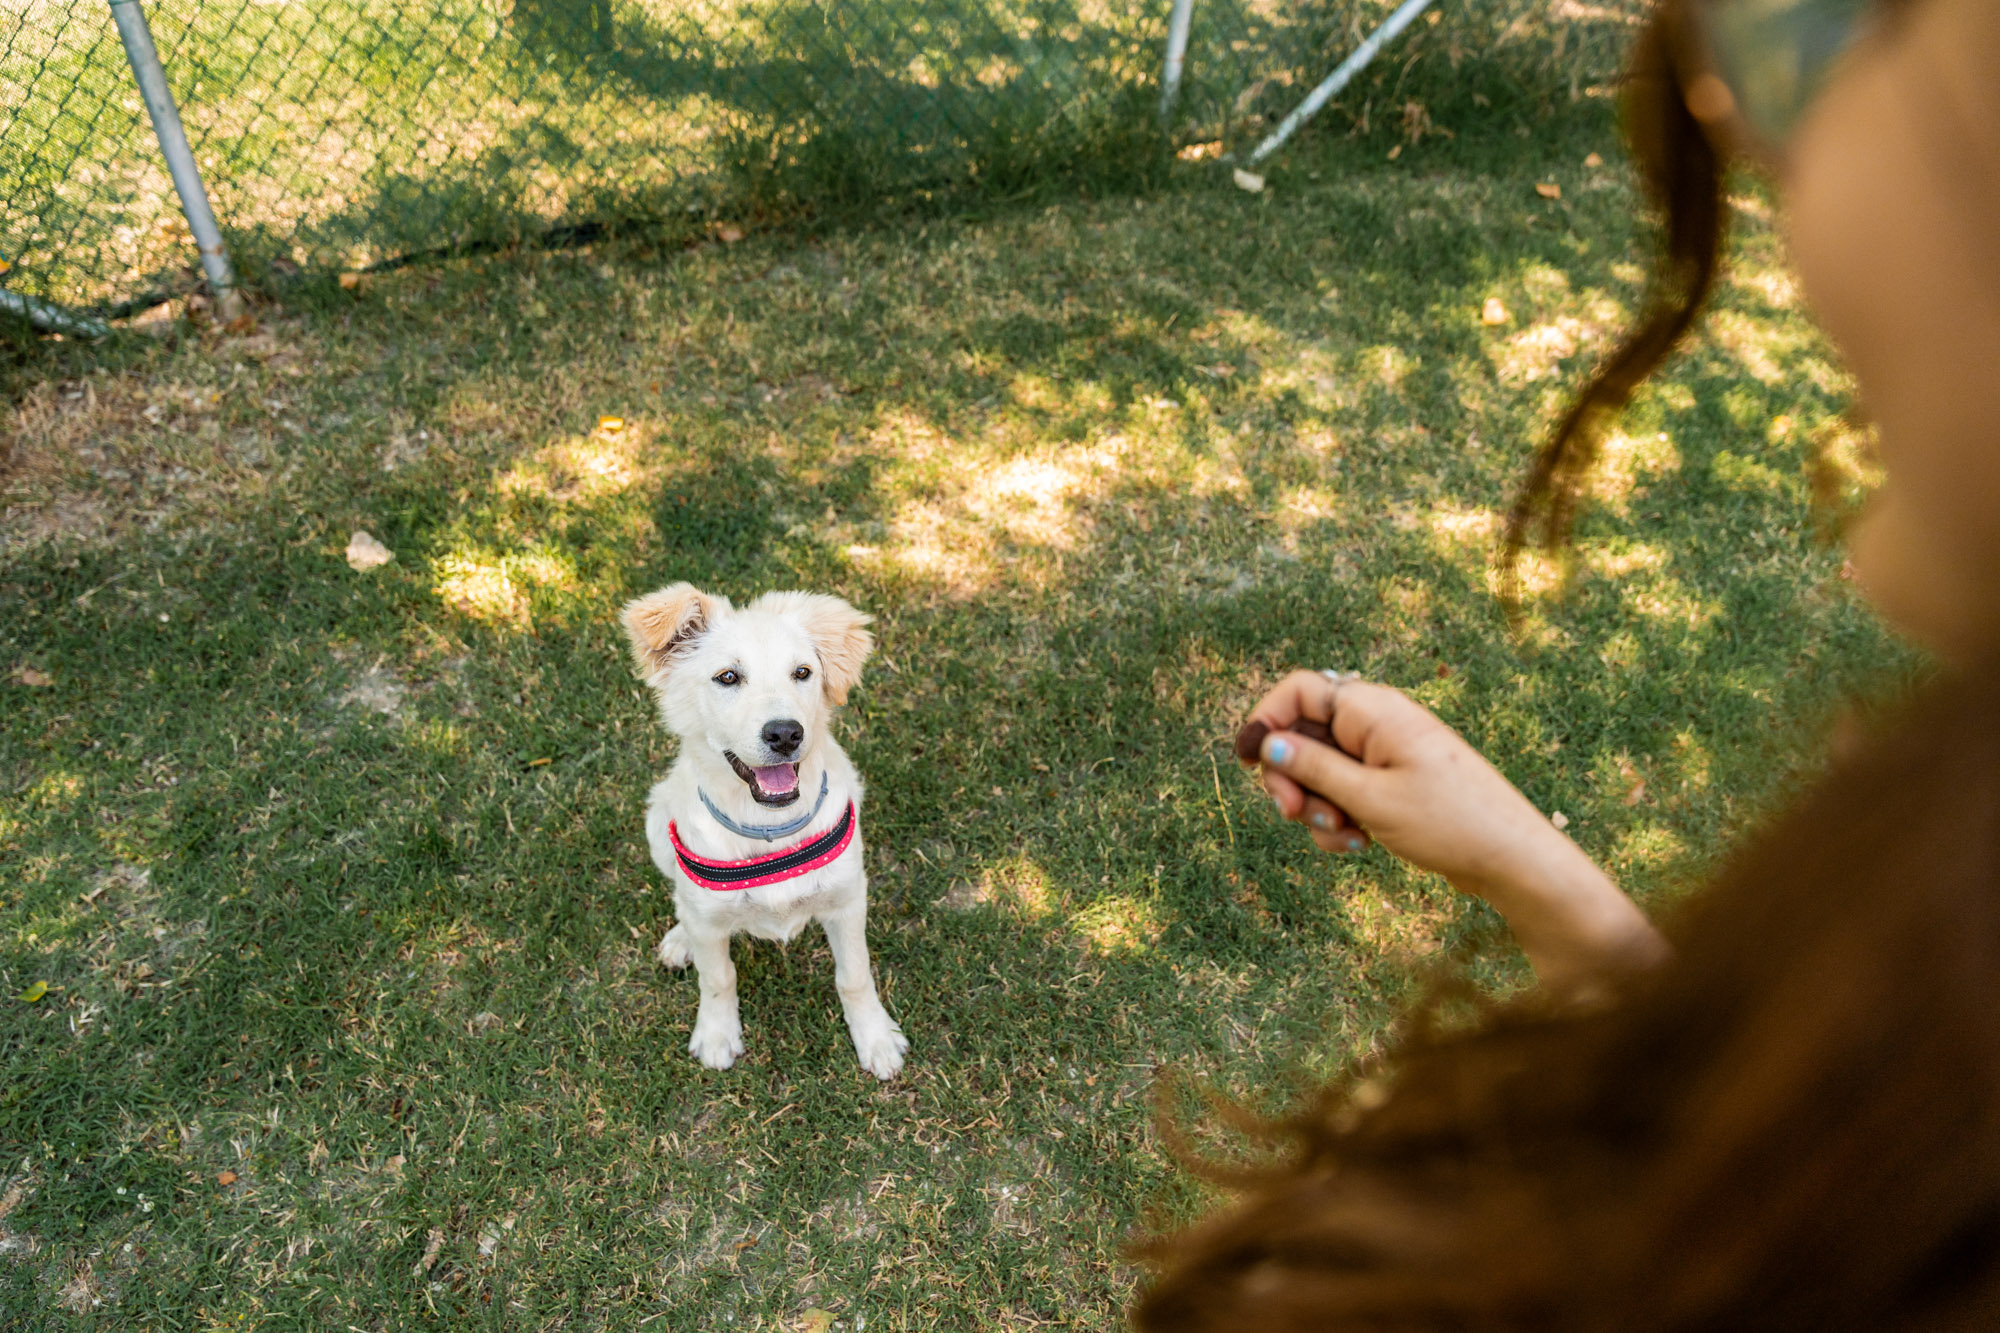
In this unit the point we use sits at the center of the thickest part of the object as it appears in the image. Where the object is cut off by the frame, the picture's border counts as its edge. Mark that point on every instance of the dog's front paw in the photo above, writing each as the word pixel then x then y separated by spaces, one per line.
pixel 880 1045
pixel 674 950
pixel 716 1041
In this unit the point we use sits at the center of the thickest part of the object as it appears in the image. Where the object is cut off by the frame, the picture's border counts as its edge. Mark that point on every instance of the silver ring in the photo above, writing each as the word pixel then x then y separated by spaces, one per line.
pixel 1334 680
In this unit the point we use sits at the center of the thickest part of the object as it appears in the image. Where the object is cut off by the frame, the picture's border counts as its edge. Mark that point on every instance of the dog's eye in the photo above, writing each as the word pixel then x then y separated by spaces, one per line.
pixel 730 677
pixel 802 673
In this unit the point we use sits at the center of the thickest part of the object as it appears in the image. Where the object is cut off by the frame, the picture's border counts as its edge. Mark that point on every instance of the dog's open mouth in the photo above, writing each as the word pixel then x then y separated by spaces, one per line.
pixel 773 784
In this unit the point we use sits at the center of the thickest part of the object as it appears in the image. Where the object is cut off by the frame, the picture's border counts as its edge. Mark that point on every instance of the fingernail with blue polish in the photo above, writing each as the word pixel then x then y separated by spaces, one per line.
pixel 1278 751
pixel 1320 820
pixel 1353 844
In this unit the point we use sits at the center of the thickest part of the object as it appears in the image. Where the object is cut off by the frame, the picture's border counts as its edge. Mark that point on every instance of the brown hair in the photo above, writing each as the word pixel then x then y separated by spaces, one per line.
pixel 1682 172
pixel 1796 1124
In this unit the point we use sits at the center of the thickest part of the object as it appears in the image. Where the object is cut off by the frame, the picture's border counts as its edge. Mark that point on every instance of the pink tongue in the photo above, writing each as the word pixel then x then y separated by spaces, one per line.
pixel 777 779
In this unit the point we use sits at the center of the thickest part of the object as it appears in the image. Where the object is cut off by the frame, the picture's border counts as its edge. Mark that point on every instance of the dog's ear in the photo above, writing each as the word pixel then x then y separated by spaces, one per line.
pixel 838 631
pixel 663 625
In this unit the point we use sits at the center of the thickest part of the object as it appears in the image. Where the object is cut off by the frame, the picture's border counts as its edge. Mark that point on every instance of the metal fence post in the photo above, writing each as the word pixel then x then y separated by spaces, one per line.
pixel 44 315
pixel 1337 80
pixel 145 58
pixel 1177 40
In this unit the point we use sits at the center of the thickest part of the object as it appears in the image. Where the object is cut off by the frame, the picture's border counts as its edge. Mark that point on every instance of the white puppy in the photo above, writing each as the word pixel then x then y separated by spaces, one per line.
pixel 757 824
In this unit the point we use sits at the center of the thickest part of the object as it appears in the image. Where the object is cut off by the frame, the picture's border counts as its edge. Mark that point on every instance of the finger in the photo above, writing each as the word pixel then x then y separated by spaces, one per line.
pixel 1367 710
pixel 1332 828
pixel 1287 795
pixel 1337 778
pixel 1302 694
pixel 1322 816
pixel 1339 841
pixel 1251 738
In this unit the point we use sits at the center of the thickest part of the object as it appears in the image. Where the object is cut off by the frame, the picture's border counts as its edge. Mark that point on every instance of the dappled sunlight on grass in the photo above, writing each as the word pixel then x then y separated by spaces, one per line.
pixel 499 592
pixel 1536 352
pixel 1102 473
pixel 603 463
pixel 1462 529
pixel 1119 924
pixel 1666 601
pixel 1760 347
pixel 1627 461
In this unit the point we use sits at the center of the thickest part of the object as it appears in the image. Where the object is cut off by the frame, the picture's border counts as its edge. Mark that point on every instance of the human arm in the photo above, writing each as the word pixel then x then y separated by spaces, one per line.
pixel 1397 774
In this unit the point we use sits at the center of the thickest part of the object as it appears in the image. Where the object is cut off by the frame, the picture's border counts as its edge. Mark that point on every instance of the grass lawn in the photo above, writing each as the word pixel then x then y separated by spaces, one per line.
pixel 337 880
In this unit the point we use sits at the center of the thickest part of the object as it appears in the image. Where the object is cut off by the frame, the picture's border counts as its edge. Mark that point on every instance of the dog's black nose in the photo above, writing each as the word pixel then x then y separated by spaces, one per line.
pixel 783 736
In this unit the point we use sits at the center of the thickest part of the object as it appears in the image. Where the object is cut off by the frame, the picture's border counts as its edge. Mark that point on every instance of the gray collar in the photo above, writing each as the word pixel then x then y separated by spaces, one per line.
pixel 768 832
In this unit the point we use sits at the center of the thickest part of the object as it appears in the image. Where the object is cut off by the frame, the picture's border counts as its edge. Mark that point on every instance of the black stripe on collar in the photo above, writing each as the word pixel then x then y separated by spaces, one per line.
pixel 722 872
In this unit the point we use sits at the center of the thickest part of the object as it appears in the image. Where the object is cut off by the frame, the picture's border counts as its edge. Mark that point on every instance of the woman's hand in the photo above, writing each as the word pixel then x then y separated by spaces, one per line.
pixel 1403 777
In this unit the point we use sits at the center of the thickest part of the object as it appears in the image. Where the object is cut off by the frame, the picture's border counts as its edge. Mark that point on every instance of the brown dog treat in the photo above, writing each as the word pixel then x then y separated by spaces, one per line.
pixel 1250 740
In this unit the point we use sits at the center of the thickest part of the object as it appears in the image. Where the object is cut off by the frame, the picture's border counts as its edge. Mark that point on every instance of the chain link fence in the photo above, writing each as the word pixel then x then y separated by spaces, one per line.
pixel 342 134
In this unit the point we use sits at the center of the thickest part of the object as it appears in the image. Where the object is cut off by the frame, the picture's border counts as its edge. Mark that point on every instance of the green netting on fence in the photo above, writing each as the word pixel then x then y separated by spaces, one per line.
pixel 340 133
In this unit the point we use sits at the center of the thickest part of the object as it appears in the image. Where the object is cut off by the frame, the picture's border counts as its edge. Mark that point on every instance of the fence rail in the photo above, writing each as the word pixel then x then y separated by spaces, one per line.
pixel 345 133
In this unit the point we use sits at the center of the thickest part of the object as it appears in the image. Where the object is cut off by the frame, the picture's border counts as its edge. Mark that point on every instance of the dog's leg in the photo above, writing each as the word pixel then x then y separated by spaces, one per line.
pixel 718 1031
pixel 674 950
pixel 878 1041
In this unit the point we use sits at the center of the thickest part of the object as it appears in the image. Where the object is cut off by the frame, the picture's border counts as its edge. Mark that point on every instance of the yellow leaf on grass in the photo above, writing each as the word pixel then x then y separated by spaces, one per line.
pixel 364 552
pixel 1493 312
pixel 610 425
pixel 815 1320
pixel 1549 190
pixel 34 992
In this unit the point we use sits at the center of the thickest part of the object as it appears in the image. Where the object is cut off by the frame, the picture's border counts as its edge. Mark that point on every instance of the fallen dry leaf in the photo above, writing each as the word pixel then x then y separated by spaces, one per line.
pixel 350 280
pixel 365 553
pixel 815 1320
pixel 432 1244
pixel 1247 180
pixel 226 1178
pixel 27 675
pixel 1493 312
pixel 1593 161
pixel 1549 190
pixel 1395 152
pixel 394 1165
pixel 1637 794
pixel 728 235
pixel 1559 819
pixel 610 425
pixel 1195 152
